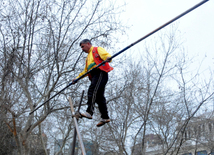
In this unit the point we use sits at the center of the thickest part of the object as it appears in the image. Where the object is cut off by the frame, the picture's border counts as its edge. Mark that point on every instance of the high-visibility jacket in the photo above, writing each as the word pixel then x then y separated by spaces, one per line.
pixel 97 59
pixel 90 60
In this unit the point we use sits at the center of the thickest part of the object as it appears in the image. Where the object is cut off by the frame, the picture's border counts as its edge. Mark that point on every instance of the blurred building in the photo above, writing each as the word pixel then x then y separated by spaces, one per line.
pixel 57 145
pixel 36 145
pixel 91 148
pixel 197 138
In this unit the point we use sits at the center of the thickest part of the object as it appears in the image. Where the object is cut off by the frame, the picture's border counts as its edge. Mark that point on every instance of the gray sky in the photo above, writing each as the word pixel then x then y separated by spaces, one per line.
pixel 197 26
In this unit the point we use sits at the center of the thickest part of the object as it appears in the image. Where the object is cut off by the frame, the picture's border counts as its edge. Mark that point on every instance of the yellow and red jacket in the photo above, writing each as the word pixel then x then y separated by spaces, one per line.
pixel 95 56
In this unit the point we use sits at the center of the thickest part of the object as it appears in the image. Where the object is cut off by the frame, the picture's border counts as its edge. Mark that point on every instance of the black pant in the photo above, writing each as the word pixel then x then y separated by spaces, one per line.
pixel 96 92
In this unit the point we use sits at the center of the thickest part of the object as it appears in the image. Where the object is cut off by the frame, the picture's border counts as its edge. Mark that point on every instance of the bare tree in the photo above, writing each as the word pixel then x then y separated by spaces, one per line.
pixel 39 49
pixel 162 94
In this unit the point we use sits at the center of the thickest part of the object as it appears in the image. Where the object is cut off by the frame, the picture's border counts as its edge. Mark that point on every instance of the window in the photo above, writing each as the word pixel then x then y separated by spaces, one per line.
pixel 210 127
pixel 203 128
pixel 201 153
pixel 185 134
pixel 195 130
pixel 189 134
pixel 199 131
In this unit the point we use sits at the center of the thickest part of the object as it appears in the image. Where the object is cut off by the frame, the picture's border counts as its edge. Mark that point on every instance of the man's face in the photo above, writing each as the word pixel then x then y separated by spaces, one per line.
pixel 86 47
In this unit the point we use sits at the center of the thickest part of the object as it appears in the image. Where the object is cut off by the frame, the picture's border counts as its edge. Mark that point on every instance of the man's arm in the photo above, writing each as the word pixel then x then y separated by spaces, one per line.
pixel 83 72
pixel 104 54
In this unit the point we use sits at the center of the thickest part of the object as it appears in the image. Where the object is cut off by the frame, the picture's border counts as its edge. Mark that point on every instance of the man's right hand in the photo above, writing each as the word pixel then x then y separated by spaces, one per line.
pixel 74 81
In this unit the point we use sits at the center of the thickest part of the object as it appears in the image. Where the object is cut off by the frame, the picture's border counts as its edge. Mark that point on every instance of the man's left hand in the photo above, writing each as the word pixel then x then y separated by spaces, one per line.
pixel 108 59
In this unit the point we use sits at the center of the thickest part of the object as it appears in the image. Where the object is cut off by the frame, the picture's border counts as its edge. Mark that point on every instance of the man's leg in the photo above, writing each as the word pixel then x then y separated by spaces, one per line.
pixel 100 99
pixel 93 89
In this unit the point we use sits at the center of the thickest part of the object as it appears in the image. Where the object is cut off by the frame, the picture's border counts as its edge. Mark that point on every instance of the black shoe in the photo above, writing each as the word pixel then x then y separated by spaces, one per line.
pixel 102 122
pixel 86 115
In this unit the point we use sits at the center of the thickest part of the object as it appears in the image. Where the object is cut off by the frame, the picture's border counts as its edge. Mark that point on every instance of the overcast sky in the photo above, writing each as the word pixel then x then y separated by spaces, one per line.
pixel 197 26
